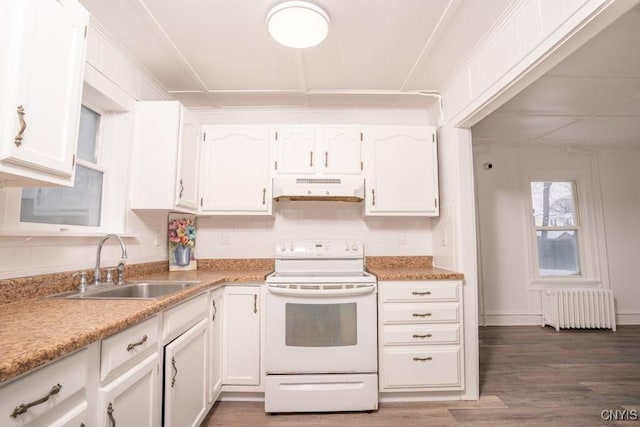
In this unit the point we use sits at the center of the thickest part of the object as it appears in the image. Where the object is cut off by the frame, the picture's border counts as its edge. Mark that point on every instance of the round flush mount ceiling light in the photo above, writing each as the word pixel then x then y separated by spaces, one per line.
pixel 298 24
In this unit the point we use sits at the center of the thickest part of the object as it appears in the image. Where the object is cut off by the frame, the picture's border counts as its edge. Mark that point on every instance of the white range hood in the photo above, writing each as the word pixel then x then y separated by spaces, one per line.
pixel 340 188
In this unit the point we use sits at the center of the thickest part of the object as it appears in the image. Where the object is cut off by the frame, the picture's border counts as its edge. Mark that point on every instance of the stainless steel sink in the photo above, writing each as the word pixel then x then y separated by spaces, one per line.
pixel 132 290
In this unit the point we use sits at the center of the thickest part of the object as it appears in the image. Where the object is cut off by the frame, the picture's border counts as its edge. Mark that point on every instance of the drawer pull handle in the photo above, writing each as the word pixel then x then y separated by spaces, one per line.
pixel 422 336
pixel 175 371
pixel 421 314
pixel 135 344
pixel 110 414
pixel 24 407
pixel 421 293
pixel 422 359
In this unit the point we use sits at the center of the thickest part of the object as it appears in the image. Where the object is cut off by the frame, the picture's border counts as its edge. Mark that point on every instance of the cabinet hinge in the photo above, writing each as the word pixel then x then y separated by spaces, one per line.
pixel 275 165
pixel 276 136
pixel 73 161
pixel 361 165
pixel 361 136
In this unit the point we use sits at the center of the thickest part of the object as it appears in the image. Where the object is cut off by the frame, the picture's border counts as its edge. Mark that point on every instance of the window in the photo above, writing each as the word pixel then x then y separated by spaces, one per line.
pixel 82 204
pixel 556 224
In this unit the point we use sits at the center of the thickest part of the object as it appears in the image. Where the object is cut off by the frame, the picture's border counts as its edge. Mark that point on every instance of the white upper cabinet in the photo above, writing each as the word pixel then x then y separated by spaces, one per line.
pixel 164 173
pixel 295 150
pixel 342 147
pixel 41 74
pixel 401 170
pixel 234 175
pixel 317 150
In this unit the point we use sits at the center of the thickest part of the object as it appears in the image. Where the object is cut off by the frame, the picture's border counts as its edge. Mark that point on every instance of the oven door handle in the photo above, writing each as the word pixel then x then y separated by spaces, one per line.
pixel 321 293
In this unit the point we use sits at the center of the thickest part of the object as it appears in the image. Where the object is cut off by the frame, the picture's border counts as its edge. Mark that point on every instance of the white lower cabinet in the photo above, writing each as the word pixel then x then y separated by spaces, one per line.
pixel 133 398
pixel 185 379
pixel 54 395
pixel 215 344
pixel 241 362
pixel 420 342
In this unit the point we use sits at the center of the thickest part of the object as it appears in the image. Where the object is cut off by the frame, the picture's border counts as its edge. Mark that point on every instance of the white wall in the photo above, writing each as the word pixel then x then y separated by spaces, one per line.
pixel 255 237
pixel 508 293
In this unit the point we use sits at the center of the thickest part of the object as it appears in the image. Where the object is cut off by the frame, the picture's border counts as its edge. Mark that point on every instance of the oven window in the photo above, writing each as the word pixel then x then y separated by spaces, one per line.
pixel 321 325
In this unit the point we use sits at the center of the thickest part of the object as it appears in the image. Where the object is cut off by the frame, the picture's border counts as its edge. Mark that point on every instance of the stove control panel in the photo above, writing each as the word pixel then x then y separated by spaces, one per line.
pixel 319 249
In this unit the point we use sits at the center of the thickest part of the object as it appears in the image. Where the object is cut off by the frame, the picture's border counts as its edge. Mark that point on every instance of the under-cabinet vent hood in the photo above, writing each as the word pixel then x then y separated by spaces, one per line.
pixel 339 189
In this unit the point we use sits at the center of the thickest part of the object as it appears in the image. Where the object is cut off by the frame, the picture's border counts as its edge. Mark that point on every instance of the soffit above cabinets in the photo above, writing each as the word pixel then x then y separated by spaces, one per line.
pixel 590 98
pixel 217 53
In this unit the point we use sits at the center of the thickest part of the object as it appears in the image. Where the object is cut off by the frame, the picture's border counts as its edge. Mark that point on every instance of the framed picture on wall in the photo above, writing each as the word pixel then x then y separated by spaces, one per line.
pixel 182 242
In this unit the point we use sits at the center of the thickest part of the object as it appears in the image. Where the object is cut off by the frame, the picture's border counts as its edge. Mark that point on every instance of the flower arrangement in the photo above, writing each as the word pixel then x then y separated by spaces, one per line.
pixel 182 242
pixel 182 232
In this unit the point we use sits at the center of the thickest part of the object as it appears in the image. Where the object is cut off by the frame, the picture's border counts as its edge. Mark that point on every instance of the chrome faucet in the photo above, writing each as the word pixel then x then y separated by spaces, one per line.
pixel 97 275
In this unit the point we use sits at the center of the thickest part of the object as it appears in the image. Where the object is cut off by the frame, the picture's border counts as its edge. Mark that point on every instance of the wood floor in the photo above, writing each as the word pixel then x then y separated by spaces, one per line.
pixel 529 376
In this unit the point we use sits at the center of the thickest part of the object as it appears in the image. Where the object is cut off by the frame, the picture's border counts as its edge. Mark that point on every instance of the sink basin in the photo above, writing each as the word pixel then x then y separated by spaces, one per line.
pixel 133 290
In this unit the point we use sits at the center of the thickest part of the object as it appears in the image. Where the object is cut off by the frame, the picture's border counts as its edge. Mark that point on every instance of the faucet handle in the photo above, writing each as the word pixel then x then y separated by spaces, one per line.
pixel 83 279
pixel 109 279
pixel 121 273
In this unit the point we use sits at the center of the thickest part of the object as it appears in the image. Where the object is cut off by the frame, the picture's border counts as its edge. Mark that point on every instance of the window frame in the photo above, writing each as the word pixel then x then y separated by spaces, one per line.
pixel 577 227
pixel 588 211
pixel 98 166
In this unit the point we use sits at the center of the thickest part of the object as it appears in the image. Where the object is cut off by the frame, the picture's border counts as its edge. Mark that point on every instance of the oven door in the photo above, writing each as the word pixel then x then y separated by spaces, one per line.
pixel 321 331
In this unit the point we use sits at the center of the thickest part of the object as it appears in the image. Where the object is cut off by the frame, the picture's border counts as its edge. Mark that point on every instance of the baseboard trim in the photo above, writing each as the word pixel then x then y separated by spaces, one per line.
pixel 496 319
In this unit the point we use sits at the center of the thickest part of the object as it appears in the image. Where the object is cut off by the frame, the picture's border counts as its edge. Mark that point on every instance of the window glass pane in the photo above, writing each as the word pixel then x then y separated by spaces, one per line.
pixel 558 253
pixel 553 204
pixel 88 135
pixel 80 205
pixel 321 325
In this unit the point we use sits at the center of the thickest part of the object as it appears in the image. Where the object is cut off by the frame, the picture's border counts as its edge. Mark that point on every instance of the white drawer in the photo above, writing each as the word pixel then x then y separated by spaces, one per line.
pixel 178 319
pixel 129 346
pixel 421 367
pixel 420 291
pixel 442 312
pixel 67 375
pixel 420 334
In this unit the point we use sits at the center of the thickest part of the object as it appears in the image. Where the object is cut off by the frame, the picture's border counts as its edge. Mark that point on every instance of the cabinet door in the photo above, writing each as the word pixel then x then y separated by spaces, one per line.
pixel 215 345
pixel 188 156
pixel 341 150
pixel 235 171
pixel 132 399
pixel 42 86
pixel 185 379
pixel 165 157
pixel 241 336
pixel 401 172
pixel 295 150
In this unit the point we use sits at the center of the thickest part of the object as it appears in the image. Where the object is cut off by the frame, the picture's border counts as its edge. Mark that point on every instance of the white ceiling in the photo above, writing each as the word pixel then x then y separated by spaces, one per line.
pixel 592 97
pixel 217 53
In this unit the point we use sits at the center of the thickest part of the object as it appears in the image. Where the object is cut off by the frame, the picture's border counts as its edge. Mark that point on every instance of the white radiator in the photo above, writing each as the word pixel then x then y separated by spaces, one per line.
pixel 578 308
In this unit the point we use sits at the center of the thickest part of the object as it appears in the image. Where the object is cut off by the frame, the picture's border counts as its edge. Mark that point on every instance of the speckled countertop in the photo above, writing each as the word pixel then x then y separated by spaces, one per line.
pixel 387 268
pixel 36 329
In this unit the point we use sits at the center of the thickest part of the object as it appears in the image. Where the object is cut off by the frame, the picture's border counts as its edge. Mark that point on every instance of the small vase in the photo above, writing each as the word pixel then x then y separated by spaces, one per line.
pixel 182 255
